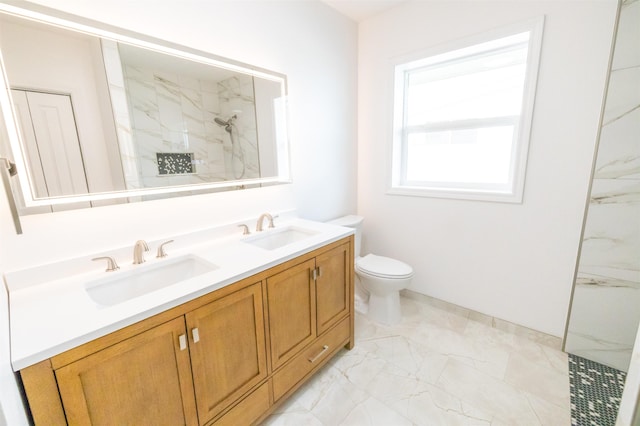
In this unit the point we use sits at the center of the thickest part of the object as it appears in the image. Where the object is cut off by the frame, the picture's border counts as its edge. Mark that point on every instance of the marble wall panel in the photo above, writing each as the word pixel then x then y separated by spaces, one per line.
pixel 188 82
pixel 175 113
pixel 627 52
pixel 613 299
pixel 194 125
pixel 237 97
pixel 619 153
pixel 168 112
pixel 622 93
pixel 216 167
pixel 142 98
pixel 191 103
pixel 611 235
pixel 604 314
pixel 121 113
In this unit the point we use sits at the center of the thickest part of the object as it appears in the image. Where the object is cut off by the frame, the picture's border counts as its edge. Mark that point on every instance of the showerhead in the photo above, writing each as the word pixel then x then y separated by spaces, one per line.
pixel 226 124
pixel 221 122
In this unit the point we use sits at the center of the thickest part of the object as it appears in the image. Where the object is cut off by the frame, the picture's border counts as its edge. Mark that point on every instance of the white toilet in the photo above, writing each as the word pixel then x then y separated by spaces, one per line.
pixel 381 277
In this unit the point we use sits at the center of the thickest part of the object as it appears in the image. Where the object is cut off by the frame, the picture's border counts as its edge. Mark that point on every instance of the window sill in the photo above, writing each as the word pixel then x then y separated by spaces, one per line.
pixel 458 194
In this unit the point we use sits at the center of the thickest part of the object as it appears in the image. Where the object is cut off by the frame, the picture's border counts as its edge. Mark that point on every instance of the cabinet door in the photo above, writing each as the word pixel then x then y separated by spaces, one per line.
pixel 145 379
pixel 228 353
pixel 333 286
pixel 292 311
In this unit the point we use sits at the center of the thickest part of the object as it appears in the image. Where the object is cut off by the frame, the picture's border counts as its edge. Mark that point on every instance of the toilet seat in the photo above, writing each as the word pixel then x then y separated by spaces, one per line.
pixel 383 267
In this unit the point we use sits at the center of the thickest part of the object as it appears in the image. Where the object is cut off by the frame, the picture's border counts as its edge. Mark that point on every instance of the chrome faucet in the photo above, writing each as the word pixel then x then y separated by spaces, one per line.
pixel 261 220
pixel 138 251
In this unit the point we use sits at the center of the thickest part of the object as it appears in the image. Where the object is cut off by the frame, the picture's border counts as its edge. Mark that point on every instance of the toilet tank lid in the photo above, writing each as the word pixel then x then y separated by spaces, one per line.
pixel 350 221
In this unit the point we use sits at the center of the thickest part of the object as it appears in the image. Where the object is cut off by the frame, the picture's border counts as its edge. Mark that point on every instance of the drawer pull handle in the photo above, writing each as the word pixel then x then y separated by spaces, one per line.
pixel 315 358
pixel 196 335
pixel 183 341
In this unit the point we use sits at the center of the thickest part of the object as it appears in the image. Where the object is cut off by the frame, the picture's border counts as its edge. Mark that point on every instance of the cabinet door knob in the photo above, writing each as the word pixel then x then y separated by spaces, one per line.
pixel 183 341
pixel 196 335
pixel 315 358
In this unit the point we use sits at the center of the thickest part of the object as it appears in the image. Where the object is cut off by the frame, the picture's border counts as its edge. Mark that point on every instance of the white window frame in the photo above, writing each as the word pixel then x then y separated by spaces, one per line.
pixel 513 191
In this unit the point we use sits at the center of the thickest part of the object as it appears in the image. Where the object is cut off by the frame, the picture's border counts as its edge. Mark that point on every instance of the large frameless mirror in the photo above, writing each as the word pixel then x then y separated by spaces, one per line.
pixel 95 116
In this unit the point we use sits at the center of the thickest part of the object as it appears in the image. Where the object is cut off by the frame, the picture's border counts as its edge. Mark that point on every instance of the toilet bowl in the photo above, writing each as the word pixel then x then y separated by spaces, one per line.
pixel 381 277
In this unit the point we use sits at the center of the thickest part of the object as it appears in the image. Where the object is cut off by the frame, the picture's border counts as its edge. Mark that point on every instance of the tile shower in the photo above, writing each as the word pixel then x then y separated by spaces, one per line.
pixel 166 128
pixel 604 314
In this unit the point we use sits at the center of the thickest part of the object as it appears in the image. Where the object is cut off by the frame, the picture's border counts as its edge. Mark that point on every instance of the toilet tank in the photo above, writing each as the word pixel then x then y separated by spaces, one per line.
pixel 351 221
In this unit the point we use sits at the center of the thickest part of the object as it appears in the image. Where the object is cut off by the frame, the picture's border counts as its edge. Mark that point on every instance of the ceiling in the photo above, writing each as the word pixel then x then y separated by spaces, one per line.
pixel 360 10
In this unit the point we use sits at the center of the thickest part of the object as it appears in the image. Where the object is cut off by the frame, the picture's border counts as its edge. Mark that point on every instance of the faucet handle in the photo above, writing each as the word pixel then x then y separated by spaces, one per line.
pixel 161 252
pixel 245 229
pixel 271 225
pixel 111 263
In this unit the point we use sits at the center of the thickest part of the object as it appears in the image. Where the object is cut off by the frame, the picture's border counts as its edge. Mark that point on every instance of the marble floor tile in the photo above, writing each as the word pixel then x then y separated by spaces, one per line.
pixel 371 412
pixel 545 383
pixel 491 359
pixel 439 366
pixel 535 352
pixel 293 418
pixel 507 402
pixel 331 396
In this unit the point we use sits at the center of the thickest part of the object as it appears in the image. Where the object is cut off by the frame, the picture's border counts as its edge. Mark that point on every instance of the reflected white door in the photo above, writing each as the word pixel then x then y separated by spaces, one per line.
pixel 52 146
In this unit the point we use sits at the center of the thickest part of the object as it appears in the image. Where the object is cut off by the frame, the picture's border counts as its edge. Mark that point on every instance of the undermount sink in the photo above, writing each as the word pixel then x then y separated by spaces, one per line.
pixel 144 279
pixel 279 237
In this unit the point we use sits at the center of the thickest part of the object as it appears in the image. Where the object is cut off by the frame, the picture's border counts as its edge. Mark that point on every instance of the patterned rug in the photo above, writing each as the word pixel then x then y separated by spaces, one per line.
pixel 595 392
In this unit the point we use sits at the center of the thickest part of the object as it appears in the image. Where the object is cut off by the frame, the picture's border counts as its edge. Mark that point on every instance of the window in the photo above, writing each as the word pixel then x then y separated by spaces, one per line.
pixel 462 118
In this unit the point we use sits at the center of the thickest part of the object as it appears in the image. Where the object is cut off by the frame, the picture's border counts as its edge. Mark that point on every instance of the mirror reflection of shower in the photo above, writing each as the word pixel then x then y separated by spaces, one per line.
pixel 237 155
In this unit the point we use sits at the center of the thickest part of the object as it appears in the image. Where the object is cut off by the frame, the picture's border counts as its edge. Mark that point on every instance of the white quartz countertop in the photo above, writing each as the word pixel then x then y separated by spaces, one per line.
pixel 51 311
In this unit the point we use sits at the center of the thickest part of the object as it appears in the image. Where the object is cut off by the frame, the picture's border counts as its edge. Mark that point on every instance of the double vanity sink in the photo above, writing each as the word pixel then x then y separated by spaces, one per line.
pixel 59 306
pixel 121 287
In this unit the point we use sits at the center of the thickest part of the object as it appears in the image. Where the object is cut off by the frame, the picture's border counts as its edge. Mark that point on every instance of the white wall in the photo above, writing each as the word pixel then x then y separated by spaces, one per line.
pixel 511 261
pixel 66 64
pixel 308 41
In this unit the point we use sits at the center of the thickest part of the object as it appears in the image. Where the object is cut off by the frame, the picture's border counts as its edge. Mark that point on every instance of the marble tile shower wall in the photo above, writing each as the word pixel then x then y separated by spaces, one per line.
pixel 173 113
pixel 121 116
pixel 237 98
pixel 604 314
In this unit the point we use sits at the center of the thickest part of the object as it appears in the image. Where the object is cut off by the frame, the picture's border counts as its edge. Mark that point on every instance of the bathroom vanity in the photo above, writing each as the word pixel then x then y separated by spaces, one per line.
pixel 225 327
pixel 224 347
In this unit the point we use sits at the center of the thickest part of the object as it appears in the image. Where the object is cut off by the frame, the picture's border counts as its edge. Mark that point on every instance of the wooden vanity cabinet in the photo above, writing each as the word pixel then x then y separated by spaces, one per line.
pixel 305 300
pixel 309 306
pixel 291 298
pixel 228 352
pixel 145 379
pixel 206 358
pixel 226 358
pixel 333 286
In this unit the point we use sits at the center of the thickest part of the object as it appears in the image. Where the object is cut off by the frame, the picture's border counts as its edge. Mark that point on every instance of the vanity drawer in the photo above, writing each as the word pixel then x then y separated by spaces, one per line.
pixel 310 358
pixel 248 410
